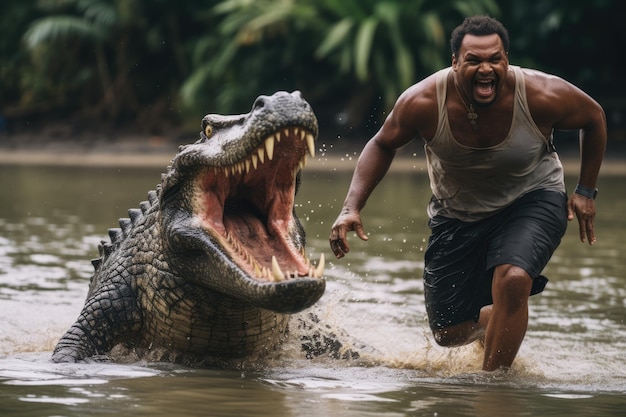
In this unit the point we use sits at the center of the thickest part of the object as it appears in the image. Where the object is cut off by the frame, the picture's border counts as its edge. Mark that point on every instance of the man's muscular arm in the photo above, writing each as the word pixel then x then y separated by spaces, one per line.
pixel 400 127
pixel 557 104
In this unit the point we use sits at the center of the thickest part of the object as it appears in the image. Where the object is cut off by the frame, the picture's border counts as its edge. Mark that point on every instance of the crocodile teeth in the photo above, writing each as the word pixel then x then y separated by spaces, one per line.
pixel 277 274
pixel 310 144
pixel 257 269
pixel 269 147
pixel 261 153
pixel 319 271
pixel 267 150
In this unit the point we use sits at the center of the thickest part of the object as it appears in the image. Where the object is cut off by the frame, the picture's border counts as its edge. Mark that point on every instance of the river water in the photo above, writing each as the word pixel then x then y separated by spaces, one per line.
pixel 572 362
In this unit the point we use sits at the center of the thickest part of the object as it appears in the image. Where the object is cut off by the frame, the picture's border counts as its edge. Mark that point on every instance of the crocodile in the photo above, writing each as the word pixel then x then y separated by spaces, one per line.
pixel 212 266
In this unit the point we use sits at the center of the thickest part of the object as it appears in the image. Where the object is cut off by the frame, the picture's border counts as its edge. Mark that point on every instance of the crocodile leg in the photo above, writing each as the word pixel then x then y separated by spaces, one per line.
pixel 108 318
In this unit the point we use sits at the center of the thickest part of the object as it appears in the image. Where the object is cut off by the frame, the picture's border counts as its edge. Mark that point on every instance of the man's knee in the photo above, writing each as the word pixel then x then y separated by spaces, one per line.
pixel 458 335
pixel 445 338
pixel 511 286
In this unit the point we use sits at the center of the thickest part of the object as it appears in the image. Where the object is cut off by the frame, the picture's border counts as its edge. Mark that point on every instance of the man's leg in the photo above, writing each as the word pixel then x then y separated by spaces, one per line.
pixel 466 332
pixel 508 320
pixel 502 325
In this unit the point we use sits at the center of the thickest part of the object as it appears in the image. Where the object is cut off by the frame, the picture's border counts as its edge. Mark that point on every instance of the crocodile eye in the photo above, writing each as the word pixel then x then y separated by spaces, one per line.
pixel 208 131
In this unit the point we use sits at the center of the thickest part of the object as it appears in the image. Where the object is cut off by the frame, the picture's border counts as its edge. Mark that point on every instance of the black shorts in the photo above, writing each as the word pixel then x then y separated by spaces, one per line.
pixel 461 256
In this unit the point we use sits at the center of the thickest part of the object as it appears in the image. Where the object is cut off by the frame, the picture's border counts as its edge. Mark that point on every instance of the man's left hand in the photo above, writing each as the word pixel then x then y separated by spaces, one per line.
pixel 585 210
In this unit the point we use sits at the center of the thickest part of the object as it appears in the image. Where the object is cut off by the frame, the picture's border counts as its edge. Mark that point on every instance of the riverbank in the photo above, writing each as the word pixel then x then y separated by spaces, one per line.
pixel 158 151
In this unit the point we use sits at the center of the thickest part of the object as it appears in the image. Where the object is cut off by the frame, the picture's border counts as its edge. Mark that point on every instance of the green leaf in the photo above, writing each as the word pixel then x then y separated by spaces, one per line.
pixel 101 13
pixel 363 47
pixel 355 9
pixel 404 66
pixel 433 29
pixel 269 18
pixel 193 84
pixel 388 12
pixel 231 6
pixel 221 61
pixel 337 35
pixel 55 28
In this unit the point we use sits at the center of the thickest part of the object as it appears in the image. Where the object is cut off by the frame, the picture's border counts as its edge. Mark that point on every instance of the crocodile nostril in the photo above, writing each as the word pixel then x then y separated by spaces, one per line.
pixel 259 103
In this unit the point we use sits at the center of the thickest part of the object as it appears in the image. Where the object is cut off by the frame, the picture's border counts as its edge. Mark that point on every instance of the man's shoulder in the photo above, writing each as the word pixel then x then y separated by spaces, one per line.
pixel 550 97
pixel 538 78
pixel 430 81
pixel 416 108
pixel 423 90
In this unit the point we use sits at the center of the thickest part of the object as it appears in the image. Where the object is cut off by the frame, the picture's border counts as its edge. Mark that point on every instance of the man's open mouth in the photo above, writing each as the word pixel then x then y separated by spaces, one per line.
pixel 484 88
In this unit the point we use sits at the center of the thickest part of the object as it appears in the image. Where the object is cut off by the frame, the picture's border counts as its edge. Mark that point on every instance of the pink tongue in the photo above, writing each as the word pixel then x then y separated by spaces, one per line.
pixel 484 89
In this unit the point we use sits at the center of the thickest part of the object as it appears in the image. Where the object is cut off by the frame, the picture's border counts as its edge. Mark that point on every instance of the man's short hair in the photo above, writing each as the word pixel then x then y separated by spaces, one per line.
pixel 478 26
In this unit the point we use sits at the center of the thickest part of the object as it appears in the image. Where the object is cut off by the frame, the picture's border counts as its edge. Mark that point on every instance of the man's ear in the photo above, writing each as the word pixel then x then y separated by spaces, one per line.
pixel 454 62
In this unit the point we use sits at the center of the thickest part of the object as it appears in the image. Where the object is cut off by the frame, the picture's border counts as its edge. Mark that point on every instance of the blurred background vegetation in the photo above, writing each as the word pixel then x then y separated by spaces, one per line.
pixel 153 66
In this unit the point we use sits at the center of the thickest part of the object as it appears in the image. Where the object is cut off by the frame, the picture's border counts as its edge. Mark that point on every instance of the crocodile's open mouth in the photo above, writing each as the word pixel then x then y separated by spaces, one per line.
pixel 248 208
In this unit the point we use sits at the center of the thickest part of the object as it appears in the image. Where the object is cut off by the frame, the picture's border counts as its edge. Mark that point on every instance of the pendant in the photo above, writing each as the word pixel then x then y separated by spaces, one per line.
pixel 472 116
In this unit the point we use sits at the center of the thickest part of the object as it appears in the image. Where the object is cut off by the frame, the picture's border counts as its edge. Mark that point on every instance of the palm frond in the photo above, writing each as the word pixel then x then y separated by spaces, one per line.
pixel 337 35
pixel 433 30
pixel 363 47
pixel 101 13
pixel 55 28
pixel 194 84
pixel 231 6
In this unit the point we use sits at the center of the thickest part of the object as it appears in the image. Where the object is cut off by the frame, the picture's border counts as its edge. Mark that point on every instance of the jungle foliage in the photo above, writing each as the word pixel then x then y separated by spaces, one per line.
pixel 157 63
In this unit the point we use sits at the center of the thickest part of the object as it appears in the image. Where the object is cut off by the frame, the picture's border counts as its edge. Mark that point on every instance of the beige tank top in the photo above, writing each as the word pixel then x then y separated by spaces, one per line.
pixel 469 183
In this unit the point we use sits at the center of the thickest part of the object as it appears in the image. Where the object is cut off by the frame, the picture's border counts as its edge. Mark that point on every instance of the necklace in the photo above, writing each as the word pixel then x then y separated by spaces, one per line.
pixel 471 112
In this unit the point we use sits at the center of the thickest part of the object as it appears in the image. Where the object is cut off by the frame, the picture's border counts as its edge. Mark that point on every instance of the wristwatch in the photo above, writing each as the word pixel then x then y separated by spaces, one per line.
pixel 586 191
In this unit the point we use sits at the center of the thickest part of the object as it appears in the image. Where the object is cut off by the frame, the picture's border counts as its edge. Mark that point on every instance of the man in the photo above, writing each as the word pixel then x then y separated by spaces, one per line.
pixel 499 205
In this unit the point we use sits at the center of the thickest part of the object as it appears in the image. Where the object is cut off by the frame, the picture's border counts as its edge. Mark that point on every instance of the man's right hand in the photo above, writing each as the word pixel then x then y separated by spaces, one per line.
pixel 347 221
